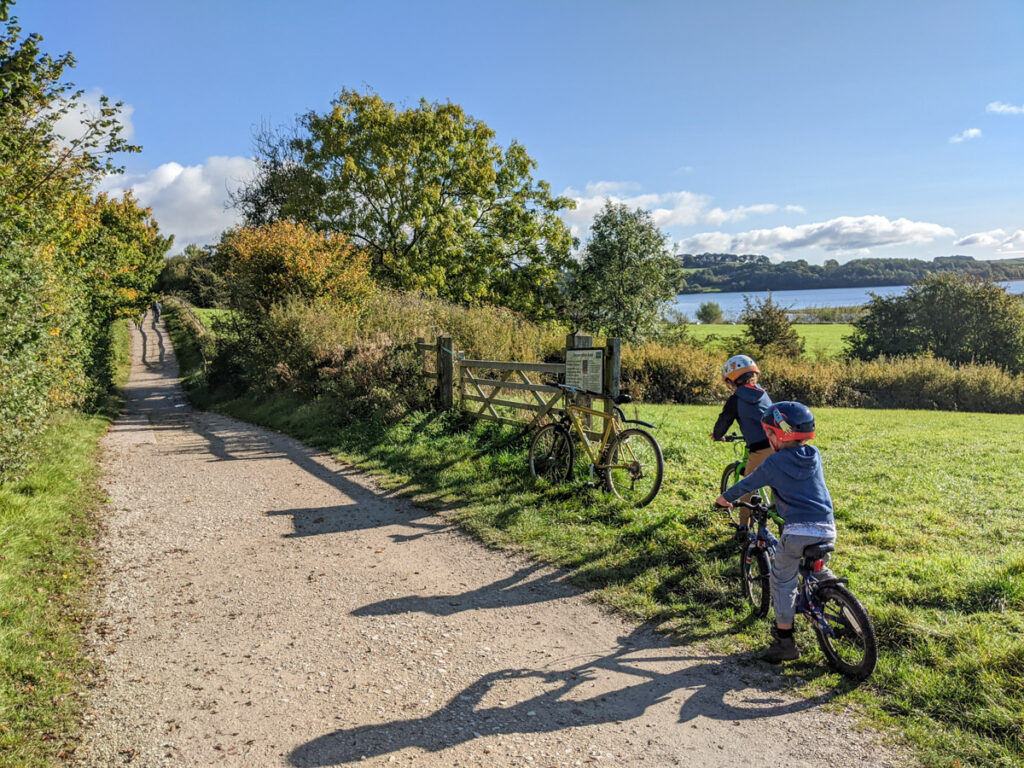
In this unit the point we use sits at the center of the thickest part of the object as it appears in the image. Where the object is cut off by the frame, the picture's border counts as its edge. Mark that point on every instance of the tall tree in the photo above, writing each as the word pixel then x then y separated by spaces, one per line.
pixel 437 204
pixel 627 275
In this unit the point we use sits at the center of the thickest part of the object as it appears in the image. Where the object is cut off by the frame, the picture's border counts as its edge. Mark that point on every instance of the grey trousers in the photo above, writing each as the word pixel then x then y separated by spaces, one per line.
pixel 785 571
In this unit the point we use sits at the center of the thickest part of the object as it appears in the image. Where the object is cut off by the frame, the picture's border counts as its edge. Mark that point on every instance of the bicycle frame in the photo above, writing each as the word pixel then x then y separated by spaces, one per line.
pixel 761 537
pixel 573 412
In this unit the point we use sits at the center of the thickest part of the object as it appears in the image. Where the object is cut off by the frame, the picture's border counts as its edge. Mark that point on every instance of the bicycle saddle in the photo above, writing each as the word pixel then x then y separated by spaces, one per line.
pixel 817 551
pixel 622 397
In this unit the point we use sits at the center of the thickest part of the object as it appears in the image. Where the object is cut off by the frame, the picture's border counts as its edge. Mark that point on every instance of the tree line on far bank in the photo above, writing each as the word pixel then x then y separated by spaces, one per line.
pixel 732 273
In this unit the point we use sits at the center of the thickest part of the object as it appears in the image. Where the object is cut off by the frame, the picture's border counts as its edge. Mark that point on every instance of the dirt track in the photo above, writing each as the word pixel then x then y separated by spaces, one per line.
pixel 264 605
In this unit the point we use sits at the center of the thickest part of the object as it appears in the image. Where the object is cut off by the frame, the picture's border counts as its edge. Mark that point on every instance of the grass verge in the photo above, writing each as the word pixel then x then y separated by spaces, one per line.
pixel 820 339
pixel 47 521
pixel 928 538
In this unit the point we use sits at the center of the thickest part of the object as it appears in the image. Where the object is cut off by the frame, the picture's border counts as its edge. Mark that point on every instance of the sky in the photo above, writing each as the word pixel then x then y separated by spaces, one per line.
pixel 811 129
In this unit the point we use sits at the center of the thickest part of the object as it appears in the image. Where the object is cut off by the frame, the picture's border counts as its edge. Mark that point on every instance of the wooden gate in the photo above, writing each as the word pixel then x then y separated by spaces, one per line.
pixel 507 392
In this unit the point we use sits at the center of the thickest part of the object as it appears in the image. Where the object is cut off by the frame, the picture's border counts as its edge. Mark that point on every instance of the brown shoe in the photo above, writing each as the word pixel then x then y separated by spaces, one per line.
pixel 781 649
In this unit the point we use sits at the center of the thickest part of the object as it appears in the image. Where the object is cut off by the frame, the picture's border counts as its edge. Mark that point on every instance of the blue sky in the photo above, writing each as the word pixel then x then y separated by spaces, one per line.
pixel 797 129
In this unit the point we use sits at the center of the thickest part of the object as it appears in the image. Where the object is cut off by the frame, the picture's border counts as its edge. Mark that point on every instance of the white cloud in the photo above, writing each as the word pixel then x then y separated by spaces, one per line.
pixel 671 209
pixel 846 234
pixel 188 201
pixel 970 133
pixel 69 126
pixel 1013 244
pixel 992 237
pixel 995 238
pixel 718 216
pixel 999 108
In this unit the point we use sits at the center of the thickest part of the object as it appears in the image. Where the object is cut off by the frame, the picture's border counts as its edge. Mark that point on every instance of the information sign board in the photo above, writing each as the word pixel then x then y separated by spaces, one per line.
pixel 584 368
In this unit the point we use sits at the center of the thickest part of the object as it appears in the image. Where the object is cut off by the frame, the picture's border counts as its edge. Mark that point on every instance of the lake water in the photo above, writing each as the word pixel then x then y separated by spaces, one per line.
pixel 732 303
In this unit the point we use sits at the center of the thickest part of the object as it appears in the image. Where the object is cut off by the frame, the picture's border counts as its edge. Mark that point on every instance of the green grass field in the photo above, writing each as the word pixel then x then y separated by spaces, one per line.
pixel 826 337
pixel 928 536
pixel 47 520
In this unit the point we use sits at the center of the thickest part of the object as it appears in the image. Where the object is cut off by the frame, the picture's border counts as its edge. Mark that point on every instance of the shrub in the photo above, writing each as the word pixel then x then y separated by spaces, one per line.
pixel 958 318
pixel 709 312
pixel 271 263
pixel 769 329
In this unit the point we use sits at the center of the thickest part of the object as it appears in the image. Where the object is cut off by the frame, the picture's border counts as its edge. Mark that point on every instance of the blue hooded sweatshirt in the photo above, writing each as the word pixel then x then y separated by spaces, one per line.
pixel 746 405
pixel 795 476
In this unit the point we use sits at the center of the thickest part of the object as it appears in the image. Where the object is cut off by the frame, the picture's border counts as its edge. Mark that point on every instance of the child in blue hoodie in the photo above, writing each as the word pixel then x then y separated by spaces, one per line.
pixel 794 474
pixel 746 405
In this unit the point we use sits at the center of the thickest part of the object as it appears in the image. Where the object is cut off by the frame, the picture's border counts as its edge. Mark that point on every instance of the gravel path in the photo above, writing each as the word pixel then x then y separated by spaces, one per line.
pixel 264 605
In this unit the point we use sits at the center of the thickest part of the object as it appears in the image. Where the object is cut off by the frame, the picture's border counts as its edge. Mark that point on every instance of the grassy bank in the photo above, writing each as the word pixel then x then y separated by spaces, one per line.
pixel 823 338
pixel 47 521
pixel 927 537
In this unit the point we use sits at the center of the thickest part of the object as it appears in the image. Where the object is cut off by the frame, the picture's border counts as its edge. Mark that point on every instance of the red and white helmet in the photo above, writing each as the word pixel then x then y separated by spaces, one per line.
pixel 737 365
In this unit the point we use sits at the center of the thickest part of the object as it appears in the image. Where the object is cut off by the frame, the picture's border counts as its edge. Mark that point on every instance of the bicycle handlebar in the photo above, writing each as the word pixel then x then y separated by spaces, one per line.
pixel 732 438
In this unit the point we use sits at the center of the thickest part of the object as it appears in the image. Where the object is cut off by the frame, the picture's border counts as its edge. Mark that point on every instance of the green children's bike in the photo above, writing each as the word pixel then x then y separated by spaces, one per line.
pixel 735 471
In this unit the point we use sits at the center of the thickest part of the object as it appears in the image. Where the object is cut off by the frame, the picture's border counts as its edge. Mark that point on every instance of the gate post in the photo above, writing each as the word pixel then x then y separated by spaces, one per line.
pixel 445 372
pixel 612 371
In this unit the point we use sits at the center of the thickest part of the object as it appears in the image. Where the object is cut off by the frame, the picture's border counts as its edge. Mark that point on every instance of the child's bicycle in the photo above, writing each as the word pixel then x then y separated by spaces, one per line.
pixel 841 623
pixel 628 462
pixel 735 471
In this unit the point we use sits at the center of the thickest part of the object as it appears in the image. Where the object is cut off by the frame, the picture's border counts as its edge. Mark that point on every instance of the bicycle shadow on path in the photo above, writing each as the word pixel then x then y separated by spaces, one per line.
pixel 644 671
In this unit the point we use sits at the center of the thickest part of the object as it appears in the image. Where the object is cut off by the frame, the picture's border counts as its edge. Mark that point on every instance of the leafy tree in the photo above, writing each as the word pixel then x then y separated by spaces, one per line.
pixel 437 205
pixel 55 298
pixel 284 260
pixel 961 319
pixel 709 312
pixel 199 275
pixel 769 328
pixel 627 275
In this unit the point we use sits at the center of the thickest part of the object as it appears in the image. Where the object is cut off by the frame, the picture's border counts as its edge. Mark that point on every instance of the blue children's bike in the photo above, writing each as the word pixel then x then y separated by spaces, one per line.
pixel 842 625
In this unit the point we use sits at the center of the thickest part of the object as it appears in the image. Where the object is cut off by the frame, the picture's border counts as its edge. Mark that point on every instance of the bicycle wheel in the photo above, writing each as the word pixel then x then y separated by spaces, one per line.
pixel 852 649
pixel 635 466
pixel 754 571
pixel 728 477
pixel 552 455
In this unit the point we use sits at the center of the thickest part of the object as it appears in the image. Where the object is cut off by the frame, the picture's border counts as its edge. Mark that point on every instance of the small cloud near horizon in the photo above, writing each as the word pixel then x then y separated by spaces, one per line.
pixel 1004 244
pixel 670 209
pixel 848 235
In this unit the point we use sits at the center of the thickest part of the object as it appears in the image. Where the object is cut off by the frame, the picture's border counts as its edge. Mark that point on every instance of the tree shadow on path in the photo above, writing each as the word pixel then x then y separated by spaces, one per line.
pixel 644 671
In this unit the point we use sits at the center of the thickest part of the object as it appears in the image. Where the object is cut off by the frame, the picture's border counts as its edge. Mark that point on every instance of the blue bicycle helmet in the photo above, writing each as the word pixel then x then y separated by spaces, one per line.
pixel 789 420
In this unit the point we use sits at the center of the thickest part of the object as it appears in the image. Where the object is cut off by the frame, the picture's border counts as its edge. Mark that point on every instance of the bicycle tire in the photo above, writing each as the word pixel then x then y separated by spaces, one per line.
pixel 853 652
pixel 754 575
pixel 727 477
pixel 552 454
pixel 641 450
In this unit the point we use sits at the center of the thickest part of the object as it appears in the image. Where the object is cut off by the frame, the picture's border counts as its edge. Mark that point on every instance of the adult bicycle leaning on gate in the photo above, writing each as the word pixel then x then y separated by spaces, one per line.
pixel 627 461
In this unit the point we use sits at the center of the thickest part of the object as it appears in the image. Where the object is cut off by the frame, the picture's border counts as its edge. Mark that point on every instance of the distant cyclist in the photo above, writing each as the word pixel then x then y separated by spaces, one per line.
pixel 747 405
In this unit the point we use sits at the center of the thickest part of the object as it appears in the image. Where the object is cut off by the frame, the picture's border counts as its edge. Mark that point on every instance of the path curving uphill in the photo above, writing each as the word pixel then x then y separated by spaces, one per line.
pixel 264 605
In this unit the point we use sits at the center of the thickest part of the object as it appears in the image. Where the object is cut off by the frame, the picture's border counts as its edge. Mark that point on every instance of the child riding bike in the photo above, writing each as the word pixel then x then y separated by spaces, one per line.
pixel 793 471
pixel 746 405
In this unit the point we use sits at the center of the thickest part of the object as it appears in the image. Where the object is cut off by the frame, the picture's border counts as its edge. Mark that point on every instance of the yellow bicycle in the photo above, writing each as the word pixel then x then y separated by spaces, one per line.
pixel 628 461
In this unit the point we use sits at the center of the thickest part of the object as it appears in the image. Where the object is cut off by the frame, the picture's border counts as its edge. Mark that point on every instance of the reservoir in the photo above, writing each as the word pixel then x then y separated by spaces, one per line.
pixel 732 303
